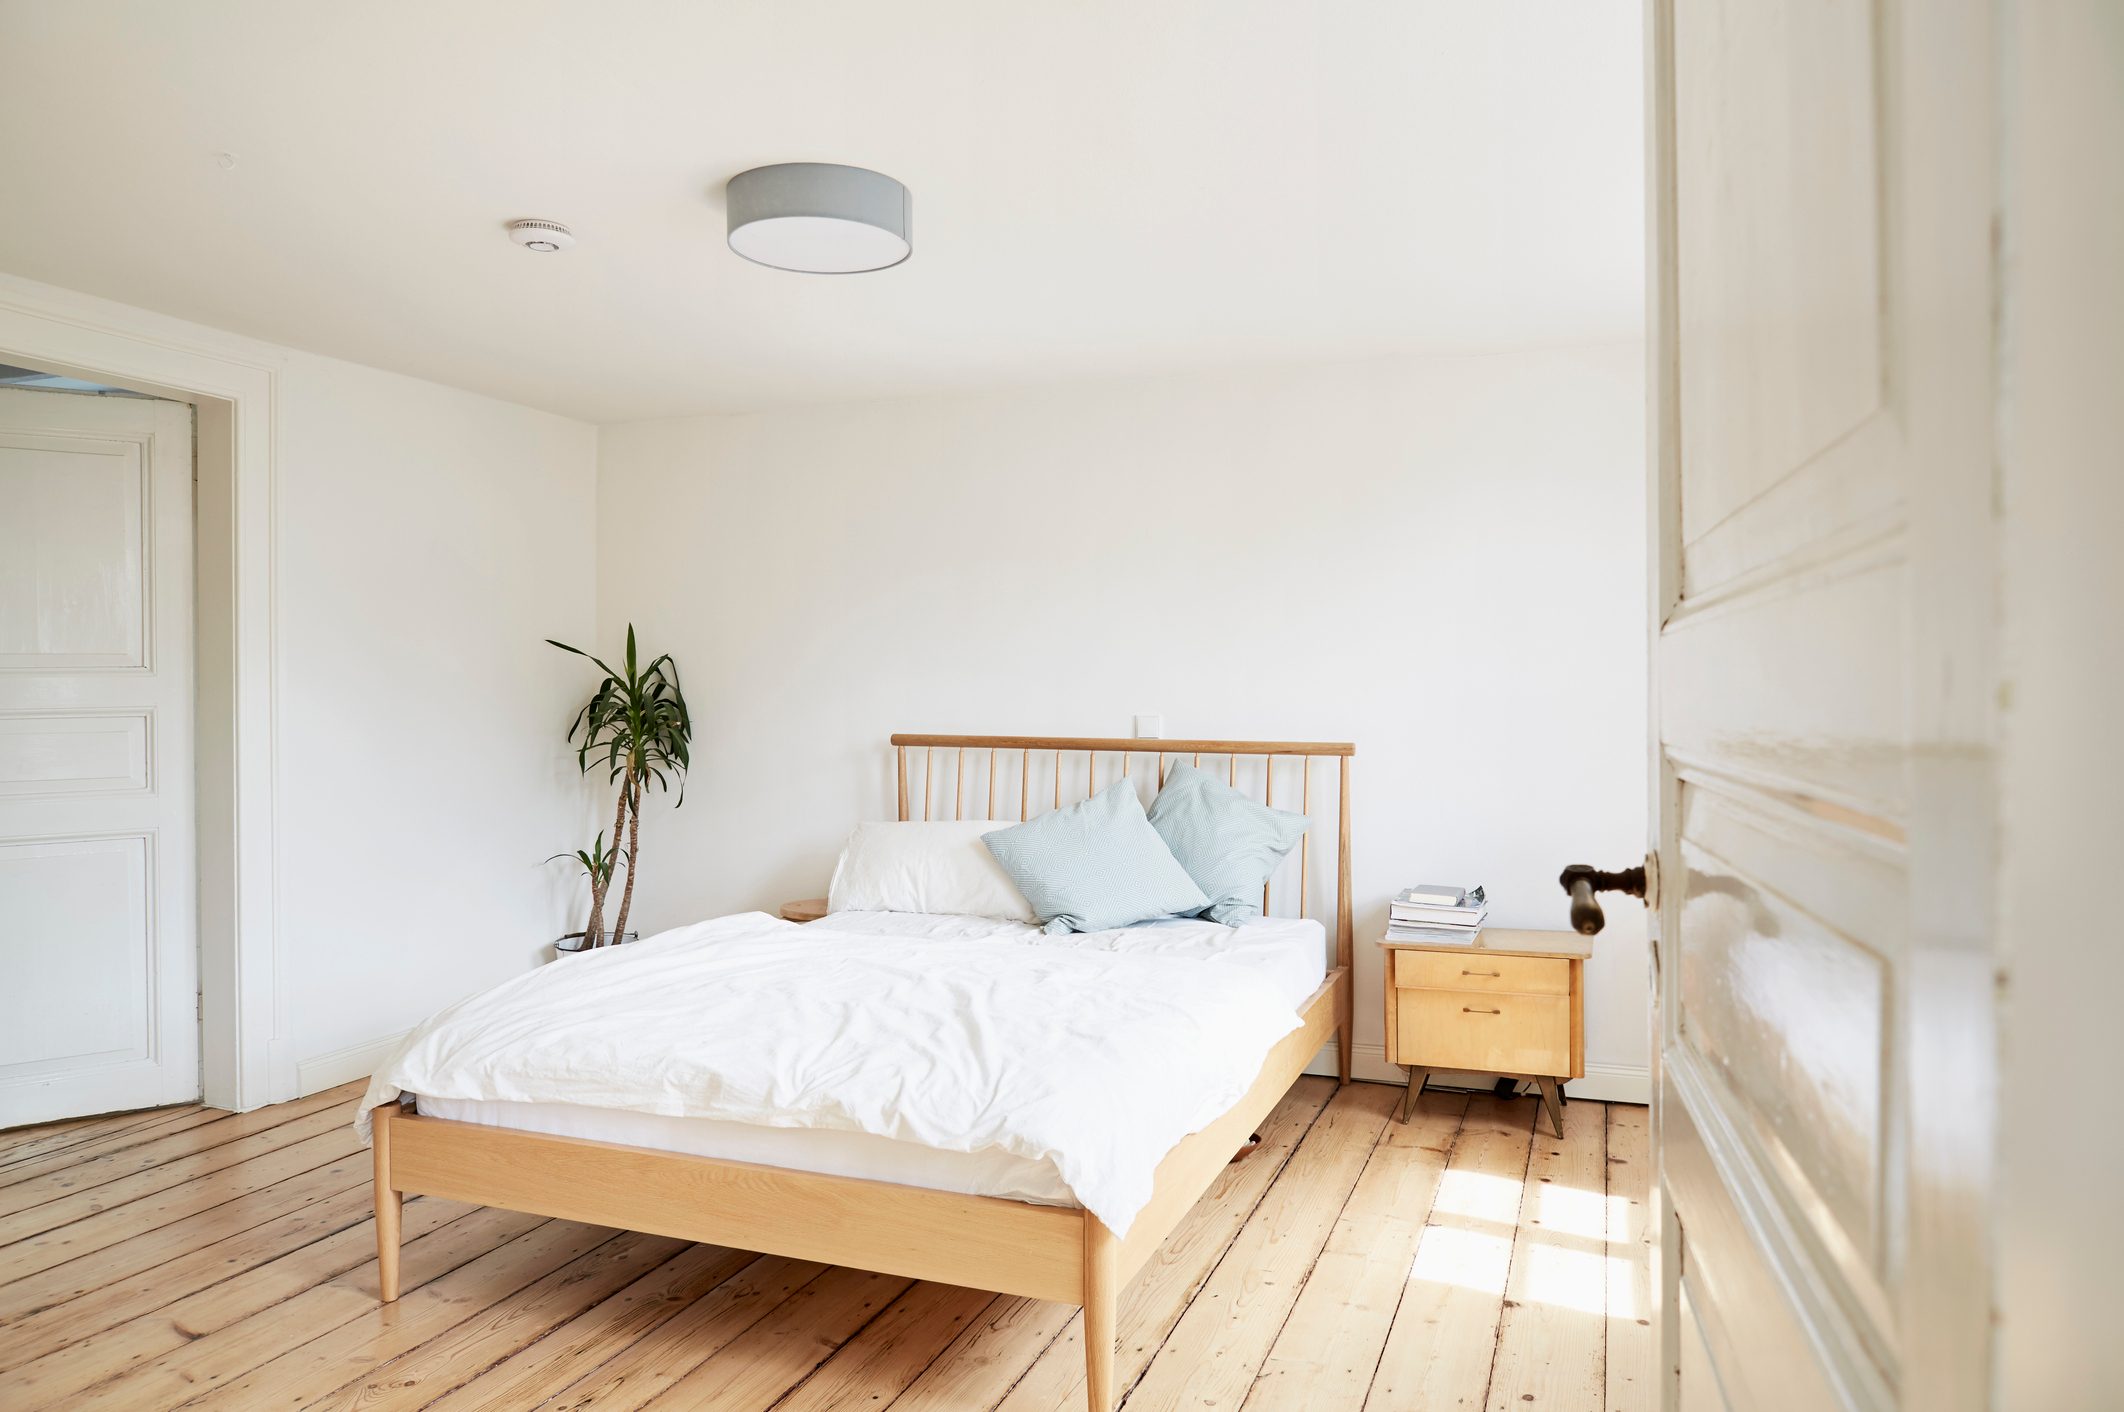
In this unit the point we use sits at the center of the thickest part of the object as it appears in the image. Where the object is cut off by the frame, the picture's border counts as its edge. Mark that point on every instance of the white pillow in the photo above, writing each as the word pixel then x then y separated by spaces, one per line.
pixel 930 867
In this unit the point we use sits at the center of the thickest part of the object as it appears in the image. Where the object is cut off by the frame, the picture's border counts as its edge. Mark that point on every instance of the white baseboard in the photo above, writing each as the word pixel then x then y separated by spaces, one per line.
pixel 342 1066
pixel 1603 1083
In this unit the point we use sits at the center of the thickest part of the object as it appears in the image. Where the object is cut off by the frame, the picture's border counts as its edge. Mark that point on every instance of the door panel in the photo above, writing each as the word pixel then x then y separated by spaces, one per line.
pixel 1777 198
pixel 1792 1016
pixel 101 752
pixel 79 907
pixel 98 932
pixel 73 554
pixel 1820 324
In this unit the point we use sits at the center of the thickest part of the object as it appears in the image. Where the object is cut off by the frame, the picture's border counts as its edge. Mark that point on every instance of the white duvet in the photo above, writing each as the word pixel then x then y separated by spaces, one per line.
pixel 1095 1060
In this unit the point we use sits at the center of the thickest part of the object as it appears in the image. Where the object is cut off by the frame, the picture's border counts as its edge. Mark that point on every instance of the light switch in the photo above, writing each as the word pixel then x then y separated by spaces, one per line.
pixel 1150 727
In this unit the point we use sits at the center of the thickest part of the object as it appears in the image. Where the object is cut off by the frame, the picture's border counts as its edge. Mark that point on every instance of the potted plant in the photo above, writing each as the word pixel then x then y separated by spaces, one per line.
pixel 597 865
pixel 635 726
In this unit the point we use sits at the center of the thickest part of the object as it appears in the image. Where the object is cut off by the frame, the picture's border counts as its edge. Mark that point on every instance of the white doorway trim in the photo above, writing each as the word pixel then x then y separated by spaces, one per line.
pixel 234 386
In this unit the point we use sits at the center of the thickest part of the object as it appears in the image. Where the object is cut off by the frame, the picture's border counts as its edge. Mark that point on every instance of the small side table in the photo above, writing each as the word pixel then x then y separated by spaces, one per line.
pixel 1508 1003
pixel 808 910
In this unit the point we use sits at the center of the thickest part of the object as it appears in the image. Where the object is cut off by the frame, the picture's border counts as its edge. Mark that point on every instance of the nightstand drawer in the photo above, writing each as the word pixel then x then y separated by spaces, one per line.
pixel 1484 1031
pixel 1445 970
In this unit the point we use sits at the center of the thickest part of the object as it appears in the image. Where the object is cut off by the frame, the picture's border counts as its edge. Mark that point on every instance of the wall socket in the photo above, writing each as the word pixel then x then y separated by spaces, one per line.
pixel 1151 727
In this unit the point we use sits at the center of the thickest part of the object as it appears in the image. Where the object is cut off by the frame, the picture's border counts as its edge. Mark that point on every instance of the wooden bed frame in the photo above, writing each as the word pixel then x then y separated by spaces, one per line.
pixel 982 1242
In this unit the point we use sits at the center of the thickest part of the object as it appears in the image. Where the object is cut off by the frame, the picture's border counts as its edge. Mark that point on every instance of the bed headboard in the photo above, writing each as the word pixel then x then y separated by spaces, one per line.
pixel 1041 770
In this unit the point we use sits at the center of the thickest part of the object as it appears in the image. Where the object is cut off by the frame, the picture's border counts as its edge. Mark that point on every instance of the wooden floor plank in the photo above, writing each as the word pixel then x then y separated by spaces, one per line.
pixel 33 1132
pixel 1552 1341
pixel 1633 1341
pixel 1439 1351
pixel 892 1350
pixel 786 1347
pixel 1040 1364
pixel 1213 1353
pixel 417 1377
pixel 988 1357
pixel 647 1367
pixel 56 1326
pixel 33 1157
pixel 303 1368
pixel 216 1261
pixel 249 1342
pixel 163 1208
pixel 586 1341
pixel 83 1342
pixel 133 1256
pixel 59 1207
pixel 152 1149
pixel 1324 1358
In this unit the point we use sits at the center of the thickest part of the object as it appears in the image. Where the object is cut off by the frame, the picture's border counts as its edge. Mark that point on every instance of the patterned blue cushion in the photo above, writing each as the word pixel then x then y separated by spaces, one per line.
pixel 1096 865
pixel 1228 843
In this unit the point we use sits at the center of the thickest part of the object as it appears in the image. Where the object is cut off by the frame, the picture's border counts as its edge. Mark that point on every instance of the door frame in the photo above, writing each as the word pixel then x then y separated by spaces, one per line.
pixel 233 390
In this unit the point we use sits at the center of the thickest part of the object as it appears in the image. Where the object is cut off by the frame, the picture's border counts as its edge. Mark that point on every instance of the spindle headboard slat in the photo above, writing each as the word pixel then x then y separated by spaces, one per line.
pixel 1268 751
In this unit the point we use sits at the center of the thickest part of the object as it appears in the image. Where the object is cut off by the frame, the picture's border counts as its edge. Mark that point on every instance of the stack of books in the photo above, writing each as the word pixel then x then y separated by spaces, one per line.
pixel 1433 912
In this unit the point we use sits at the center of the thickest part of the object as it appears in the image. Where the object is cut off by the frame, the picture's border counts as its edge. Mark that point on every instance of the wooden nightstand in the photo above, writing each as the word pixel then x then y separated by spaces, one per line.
pixel 1510 1003
pixel 809 910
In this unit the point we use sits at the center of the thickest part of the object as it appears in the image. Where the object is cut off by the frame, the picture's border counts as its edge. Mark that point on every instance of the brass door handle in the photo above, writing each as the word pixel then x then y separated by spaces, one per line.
pixel 1474 1010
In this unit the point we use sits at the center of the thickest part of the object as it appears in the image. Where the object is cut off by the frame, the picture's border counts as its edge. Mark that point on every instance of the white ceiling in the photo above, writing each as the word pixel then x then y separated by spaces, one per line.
pixel 1100 188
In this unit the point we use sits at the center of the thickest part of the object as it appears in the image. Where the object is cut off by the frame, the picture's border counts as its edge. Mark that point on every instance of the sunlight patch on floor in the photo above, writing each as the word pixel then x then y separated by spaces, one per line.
pixel 1571 1279
pixel 1572 1210
pixel 1469 1259
pixel 1480 1195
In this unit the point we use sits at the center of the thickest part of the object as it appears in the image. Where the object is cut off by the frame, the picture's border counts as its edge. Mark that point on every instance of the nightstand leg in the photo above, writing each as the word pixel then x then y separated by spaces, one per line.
pixel 1418 1077
pixel 1552 1094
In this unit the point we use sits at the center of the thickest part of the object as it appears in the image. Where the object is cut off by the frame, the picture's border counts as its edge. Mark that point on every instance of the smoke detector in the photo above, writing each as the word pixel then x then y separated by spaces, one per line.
pixel 542 236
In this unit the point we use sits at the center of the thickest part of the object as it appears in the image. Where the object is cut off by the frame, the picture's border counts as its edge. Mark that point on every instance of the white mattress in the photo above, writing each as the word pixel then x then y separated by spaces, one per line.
pixel 1291 954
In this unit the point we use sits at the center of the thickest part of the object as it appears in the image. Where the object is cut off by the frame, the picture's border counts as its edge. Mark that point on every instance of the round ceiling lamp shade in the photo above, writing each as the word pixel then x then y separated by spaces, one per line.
pixel 820 218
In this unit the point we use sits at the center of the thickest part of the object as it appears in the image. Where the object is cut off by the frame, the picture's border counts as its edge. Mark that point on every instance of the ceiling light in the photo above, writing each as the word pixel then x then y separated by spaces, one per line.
pixel 545 237
pixel 820 218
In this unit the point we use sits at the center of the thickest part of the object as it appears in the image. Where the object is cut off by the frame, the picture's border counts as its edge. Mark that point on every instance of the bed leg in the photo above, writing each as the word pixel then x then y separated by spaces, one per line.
pixel 389 1205
pixel 1344 1028
pixel 1102 1297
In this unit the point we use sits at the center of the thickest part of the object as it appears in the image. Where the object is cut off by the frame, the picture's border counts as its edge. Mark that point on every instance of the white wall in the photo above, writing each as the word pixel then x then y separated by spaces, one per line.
pixel 429 541
pixel 1253 554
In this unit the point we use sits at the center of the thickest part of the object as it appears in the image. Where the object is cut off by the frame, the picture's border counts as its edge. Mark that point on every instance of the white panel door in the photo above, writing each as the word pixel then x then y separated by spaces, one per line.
pixel 99 970
pixel 1820 201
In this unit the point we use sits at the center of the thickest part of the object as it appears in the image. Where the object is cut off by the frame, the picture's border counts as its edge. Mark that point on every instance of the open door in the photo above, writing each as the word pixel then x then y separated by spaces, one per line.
pixel 99 978
pixel 1820 179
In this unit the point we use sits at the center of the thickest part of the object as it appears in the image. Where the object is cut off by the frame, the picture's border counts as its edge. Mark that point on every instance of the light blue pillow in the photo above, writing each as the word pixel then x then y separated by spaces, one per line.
pixel 1096 865
pixel 1228 843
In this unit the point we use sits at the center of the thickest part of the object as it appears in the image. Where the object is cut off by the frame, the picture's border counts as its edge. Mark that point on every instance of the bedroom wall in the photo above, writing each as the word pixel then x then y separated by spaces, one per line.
pixel 1441 559
pixel 430 540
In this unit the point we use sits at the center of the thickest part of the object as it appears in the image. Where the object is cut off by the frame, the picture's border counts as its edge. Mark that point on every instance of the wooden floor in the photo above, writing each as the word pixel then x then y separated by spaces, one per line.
pixel 188 1257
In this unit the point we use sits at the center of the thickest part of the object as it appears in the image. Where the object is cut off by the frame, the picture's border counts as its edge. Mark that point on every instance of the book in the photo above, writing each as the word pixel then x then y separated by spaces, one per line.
pixel 1434 936
pixel 1441 895
pixel 1437 916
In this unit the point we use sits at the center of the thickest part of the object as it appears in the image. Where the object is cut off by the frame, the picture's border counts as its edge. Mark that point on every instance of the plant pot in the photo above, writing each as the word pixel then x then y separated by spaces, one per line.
pixel 572 943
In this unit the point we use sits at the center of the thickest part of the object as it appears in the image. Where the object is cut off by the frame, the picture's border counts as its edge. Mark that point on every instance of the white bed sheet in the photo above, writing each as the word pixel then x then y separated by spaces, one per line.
pixel 1288 952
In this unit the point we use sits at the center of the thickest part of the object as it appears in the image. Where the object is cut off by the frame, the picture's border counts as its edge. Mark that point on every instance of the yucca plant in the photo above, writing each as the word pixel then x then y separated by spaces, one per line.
pixel 635 727
pixel 597 865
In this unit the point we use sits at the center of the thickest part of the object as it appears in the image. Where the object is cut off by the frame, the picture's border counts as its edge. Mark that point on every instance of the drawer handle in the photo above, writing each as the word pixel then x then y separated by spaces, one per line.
pixel 1493 975
pixel 1478 1010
